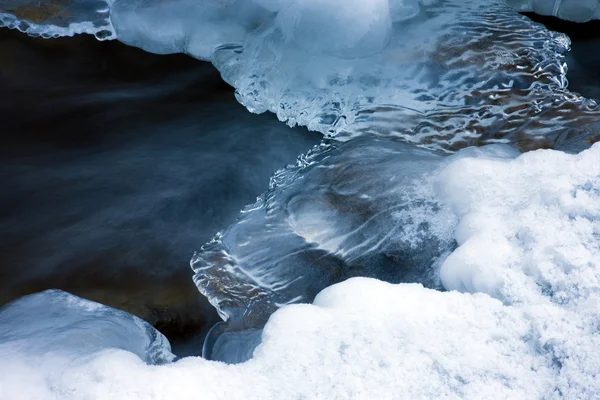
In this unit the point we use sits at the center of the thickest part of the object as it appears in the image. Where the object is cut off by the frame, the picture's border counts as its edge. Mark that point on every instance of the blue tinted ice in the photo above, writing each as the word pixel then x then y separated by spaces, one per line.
pixel 54 18
pixel 445 74
pixel 359 208
pixel 61 329
pixel 572 10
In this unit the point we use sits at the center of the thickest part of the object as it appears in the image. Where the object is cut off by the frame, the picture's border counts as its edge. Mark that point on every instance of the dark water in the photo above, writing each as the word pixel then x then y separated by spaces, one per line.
pixel 115 166
pixel 584 58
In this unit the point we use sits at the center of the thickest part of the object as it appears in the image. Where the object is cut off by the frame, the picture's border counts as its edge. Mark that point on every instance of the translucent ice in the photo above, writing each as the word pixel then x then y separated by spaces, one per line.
pixel 354 28
pixel 572 10
pixel 359 208
pixel 49 331
pixel 460 73
pixel 55 18
pixel 185 26
pixel 444 74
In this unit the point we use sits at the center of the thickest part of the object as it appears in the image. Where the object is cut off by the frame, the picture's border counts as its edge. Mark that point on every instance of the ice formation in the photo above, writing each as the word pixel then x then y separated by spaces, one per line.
pixel 572 10
pixel 58 17
pixel 365 207
pixel 444 74
pixel 45 334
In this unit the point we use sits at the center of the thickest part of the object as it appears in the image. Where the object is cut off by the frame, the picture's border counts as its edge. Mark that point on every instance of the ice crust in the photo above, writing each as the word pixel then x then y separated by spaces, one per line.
pixel 443 74
pixel 572 10
pixel 364 207
pixel 57 322
pixel 58 18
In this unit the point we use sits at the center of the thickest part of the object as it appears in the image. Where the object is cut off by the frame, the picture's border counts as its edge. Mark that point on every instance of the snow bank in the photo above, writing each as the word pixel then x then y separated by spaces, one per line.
pixel 529 234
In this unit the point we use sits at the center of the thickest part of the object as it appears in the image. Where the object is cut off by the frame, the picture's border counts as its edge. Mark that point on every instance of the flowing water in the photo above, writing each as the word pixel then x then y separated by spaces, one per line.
pixel 116 165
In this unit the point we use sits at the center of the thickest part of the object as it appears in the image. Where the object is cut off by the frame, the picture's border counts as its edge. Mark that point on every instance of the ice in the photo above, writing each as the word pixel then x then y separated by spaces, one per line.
pixel 44 335
pixel 232 346
pixel 572 10
pixel 185 26
pixel 442 74
pixel 359 208
pixel 401 10
pixel 459 73
pixel 347 28
pixel 54 18
pixel 59 323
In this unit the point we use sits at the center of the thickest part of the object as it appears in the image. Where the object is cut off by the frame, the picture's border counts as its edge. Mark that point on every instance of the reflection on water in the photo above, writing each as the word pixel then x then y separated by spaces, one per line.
pixel 115 165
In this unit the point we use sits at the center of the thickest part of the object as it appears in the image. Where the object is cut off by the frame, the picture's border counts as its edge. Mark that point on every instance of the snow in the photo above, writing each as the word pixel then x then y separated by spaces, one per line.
pixel 360 339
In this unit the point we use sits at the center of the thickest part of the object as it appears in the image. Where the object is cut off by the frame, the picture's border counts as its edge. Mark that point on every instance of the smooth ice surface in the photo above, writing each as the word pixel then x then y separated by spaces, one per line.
pixel 232 346
pixel 347 28
pixel 185 26
pixel 358 208
pixel 45 334
pixel 572 10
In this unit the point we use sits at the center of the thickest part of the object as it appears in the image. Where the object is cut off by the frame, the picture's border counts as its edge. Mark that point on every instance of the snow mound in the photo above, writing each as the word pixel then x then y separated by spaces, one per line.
pixel 529 234
pixel 360 339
